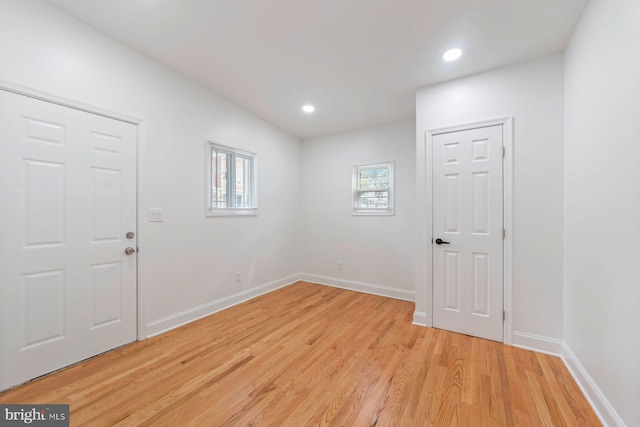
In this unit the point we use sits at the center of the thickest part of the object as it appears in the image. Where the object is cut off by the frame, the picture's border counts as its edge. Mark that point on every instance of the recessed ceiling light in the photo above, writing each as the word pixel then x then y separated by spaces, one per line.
pixel 452 54
pixel 308 108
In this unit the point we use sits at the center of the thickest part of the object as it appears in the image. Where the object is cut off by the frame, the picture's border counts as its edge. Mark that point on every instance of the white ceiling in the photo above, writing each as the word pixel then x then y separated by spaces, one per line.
pixel 358 61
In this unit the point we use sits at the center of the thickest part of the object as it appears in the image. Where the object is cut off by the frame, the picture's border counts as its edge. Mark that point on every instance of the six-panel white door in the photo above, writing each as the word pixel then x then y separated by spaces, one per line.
pixel 468 218
pixel 67 201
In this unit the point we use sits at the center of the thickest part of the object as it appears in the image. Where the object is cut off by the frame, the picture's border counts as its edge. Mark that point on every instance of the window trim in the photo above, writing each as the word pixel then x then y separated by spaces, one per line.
pixel 357 211
pixel 234 152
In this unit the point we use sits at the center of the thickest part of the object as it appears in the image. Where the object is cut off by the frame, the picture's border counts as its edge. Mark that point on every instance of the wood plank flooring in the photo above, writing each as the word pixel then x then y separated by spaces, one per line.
pixel 314 355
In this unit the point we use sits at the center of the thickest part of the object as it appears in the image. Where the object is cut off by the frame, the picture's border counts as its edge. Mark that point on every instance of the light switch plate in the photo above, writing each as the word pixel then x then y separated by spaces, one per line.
pixel 156 214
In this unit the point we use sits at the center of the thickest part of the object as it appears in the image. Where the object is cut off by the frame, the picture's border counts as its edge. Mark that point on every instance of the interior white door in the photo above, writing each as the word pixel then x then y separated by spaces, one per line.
pixel 468 232
pixel 67 201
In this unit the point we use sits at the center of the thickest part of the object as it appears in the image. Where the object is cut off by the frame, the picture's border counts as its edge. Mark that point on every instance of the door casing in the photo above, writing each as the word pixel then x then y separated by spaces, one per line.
pixel 424 278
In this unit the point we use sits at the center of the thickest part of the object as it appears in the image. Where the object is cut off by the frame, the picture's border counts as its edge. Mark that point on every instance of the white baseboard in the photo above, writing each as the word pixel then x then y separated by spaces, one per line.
pixel 608 416
pixel 367 288
pixel 187 316
pixel 537 343
pixel 420 318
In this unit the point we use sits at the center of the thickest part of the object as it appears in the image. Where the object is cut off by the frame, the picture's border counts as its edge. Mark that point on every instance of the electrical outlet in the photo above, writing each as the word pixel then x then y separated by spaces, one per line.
pixel 339 265
pixel 238 276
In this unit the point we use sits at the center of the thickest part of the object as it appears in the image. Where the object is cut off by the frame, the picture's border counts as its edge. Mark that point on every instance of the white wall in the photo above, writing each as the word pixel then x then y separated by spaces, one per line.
pixel 602 204
pixel 188 260
pixel 532 93
pixel 377 252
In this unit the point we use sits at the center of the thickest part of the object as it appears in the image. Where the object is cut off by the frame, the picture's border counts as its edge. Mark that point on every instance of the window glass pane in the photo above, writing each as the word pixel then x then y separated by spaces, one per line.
pixel 243 182
pixel 373 199
pixel 219 177
pixel 373 178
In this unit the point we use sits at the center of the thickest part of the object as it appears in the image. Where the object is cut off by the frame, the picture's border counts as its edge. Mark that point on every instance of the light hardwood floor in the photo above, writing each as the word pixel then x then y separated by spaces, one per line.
pixel 314 355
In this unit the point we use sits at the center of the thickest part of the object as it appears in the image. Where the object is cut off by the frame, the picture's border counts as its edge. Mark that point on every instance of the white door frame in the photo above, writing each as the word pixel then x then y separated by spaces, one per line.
pixel 141 133
pixel 423 315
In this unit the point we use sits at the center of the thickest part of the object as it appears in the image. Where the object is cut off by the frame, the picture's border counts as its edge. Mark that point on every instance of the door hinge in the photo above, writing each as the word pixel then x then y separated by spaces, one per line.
pixel 504 233
pixel 504 151
pixel 504 315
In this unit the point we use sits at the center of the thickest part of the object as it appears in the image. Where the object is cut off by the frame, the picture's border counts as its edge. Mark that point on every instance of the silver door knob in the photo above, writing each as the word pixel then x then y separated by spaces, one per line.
pixel 129 251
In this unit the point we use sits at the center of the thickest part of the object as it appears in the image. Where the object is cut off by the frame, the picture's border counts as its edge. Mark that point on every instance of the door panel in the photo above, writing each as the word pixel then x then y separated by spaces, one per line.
pixel 67 199
pixel 452 280
pixel 43 215
pixel 468 214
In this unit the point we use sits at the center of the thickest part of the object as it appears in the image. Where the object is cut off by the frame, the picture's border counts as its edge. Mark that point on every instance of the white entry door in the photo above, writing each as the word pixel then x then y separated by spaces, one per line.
pixel 67 202
pixel 468 232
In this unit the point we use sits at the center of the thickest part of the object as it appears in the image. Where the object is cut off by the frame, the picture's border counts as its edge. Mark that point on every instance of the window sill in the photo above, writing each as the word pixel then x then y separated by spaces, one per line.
pixel 373 213
pixel 233 212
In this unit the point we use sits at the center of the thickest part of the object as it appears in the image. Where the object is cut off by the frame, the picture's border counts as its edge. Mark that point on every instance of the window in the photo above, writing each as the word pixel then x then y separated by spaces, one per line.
pixel 373 189
pixel 231 181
